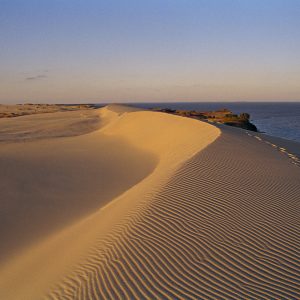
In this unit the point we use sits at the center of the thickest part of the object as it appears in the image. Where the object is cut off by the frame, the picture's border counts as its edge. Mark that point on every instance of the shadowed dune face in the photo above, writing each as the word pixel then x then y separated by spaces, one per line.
pixel 48 184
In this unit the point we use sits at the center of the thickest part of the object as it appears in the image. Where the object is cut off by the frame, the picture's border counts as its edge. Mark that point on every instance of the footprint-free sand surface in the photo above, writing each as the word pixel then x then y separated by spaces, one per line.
pixel 147 205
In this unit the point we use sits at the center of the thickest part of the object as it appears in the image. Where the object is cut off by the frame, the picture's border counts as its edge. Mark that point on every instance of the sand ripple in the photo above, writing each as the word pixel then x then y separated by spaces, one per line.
pixel 218 218
pixel 225 226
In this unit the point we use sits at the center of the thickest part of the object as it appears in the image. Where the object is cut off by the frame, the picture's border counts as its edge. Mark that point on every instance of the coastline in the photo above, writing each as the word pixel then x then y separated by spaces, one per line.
pixel 279 119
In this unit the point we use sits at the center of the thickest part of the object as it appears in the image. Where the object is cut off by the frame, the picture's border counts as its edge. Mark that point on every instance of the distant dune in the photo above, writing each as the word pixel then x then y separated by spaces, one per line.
pixel 145 205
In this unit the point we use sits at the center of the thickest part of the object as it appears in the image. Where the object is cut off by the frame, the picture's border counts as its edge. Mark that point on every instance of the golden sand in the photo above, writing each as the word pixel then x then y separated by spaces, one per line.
pixel 197 213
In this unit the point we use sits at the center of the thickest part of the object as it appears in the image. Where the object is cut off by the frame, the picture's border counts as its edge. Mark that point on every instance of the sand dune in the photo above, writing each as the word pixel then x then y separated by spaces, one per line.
pixel 49 183
pixel 215 215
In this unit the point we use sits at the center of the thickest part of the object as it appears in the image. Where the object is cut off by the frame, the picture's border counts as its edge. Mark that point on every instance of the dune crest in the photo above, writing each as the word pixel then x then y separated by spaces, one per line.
pixel 51 266
pixel 217 217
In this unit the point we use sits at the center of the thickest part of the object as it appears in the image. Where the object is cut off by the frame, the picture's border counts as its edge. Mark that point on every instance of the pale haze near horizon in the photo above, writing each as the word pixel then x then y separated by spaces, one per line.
pixel 149 51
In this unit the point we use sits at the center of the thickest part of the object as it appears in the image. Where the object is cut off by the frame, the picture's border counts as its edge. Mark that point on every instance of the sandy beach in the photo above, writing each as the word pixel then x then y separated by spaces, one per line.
pixel 122 203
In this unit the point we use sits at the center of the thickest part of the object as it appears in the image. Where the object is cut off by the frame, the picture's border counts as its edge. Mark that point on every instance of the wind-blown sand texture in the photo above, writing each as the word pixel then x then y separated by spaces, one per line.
pixel 204 213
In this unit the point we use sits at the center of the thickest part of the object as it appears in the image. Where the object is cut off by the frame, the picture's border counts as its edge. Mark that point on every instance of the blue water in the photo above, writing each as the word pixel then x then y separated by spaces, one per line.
pixel 277 119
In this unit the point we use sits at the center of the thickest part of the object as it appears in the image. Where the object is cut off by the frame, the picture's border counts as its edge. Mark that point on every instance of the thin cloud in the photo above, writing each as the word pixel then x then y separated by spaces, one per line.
pixel 41 76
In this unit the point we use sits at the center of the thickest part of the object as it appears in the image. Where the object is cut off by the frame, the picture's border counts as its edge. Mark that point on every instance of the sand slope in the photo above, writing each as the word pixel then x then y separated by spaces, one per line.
pixel 47 184
pixel 218 218
pixel 159 144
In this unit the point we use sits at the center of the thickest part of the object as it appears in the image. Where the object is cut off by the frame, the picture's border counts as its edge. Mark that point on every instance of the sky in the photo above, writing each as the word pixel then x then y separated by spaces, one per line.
pixel 71 51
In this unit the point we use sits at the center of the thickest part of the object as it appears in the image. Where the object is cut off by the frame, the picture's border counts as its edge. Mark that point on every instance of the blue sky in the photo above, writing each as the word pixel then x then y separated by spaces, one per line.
pixel 149 50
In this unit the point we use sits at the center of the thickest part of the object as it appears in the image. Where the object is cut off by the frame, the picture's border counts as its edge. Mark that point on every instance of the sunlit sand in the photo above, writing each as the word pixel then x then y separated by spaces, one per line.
pixel 145 205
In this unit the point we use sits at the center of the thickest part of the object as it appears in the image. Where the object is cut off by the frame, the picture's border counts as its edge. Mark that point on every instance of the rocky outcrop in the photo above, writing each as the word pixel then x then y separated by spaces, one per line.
pixel 223 116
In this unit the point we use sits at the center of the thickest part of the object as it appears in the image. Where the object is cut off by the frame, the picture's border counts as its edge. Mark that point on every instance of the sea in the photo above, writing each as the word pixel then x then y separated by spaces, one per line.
pixel 280 119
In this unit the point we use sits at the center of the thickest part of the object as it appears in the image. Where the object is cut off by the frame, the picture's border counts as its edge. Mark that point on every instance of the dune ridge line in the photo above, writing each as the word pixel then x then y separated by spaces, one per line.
pixel 225 225
pixel 43 267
